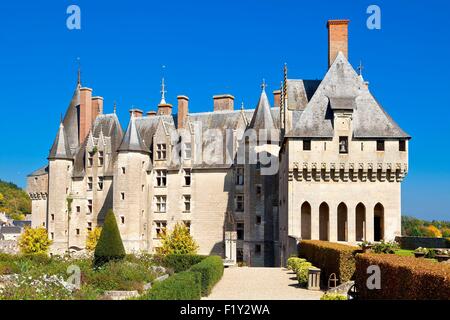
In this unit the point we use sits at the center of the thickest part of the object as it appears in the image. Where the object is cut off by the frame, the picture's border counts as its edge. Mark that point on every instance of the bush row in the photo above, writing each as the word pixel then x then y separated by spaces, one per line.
pixel 301 268
pixel 178 262
pixel 403 278
pixel 211 269
pixel 330 258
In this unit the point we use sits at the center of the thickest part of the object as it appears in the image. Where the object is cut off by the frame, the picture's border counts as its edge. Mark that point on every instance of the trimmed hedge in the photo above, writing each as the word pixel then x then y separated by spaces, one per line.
pixel 293 263
pixel 180 262
pixel 302 273
pixel 185 285
pixel 211 269
pixel 403 278
pixel 330 258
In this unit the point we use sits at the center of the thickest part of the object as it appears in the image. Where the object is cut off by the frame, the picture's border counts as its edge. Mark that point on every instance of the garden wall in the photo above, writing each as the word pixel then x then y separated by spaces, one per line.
pixel 412 243
pixel 9 246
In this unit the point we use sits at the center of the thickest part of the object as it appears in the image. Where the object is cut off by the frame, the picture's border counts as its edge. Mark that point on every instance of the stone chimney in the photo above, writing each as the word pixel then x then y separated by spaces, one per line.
pixel 223 102
pixel 164 109
pixel 136 112
pixel 183 110
pixel 151 113
pixel 337 39
pixel 85 113
pixel 276 98
pixel 97 107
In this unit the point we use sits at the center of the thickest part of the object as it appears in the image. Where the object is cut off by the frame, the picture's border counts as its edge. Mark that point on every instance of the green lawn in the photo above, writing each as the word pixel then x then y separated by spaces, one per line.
pixel 405 253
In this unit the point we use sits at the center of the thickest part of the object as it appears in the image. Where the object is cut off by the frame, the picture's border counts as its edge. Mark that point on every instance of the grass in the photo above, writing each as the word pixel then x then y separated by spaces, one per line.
pixel 404 253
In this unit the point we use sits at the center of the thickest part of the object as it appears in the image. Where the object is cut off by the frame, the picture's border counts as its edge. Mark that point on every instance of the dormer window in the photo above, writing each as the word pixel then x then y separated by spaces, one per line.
pixel 402 145
pixel 89 184
pixel 380 145
pixel 343 145
pixel 90 158
pixel 161 151
pixel 306 145
pixel 101 158
pixel 100 183
pixel 187 151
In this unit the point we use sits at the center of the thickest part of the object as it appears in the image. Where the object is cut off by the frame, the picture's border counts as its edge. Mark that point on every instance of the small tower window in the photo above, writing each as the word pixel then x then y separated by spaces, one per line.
pixel 343 145
pixel 122 195
pixel 89 185
pixel 187 177
pixel 89 205
pixel 78 232
pixel 100 183
pixel 123 170
pixel 122 220
pixel 240 176
pixel 257 249
pixel 240 230
pixel 90 158
pixel 380 145
pixel 239 203
pixel 187 151
pixel 89 226
pixel 402 145
pixel 258 220
pixel 258 190
pixel 53 217
pixel 78 209
pixel 187 203
pixel 307 145
pixel 100 158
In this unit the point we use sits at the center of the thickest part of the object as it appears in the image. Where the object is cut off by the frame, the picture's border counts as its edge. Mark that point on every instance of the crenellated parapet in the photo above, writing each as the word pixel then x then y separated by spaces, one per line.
pixel 347 172
pixel 38 195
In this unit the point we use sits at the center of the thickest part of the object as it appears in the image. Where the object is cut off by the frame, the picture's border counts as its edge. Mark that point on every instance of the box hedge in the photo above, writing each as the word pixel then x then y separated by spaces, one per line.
pixel 185 285
pixel 180 262
pixel 404 278
pixel 211 270
pixel 330 258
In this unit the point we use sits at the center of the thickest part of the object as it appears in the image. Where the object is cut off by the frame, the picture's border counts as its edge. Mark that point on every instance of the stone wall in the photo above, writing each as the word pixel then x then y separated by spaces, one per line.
pixel 412 243
pixel 9 246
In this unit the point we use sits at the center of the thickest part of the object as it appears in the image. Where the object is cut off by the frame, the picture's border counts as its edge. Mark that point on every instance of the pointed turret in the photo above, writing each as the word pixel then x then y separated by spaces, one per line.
pixel 262 118
pixel 132 140
pixel 60 148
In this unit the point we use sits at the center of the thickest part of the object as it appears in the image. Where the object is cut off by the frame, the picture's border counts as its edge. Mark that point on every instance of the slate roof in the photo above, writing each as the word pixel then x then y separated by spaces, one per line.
pixel 39 172
pixel 132 140
pixel 342 88
pixel 262 117
pixel 299 92
pixel 71 119
pixel 60 148
pixel 10 230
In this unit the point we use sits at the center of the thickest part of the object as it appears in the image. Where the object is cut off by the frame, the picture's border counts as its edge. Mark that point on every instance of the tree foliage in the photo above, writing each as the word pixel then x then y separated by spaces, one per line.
pixel 34 241
pixel 179 241
pixel 422 228
pixel 110 245
pixel 14 201
pixel 92 238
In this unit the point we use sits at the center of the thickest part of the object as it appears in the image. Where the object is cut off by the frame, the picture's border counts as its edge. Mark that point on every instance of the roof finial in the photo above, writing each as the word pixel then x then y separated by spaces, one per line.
pixel 163 92
pixel 79 71
pixel 60 119
pixel 115 107
pixel 360 68
pixel 242 105
pixel 263 85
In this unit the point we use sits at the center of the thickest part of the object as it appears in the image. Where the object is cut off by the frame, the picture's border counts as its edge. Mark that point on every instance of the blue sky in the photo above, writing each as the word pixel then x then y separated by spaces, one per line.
pixel 213 47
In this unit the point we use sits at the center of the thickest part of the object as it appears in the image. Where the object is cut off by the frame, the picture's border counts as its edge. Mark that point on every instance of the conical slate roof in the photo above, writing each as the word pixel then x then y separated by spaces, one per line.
pixel 60 148
pixel 71 119
pixel 132 139
pixel 262 118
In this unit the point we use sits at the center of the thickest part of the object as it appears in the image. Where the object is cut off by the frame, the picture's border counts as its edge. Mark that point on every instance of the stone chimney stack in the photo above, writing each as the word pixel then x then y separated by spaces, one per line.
pixel 136 112
pixel 223 102
pixel 183 110
pixel 337 39
pixel 151 113
pixel 276 98
pixel 85 113
pixel 97 107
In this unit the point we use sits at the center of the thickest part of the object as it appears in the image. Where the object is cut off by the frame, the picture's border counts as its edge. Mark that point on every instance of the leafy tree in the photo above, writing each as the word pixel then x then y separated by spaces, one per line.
pixel 110 245
pixel 34 241
pixel 13 200
pixel 434 231
pixel 179 241
pixel 92 238
pixel 446 232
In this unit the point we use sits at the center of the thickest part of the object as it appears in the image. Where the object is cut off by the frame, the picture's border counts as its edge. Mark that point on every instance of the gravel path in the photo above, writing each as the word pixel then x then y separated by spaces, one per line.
pixel 260 284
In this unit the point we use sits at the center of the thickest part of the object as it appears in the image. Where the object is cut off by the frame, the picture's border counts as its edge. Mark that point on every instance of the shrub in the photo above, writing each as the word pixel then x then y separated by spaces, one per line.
pixel 302 273
pixel 185 285
pixel 34 240
pixel 333 296
pixel 385 247
pixel 181 262
pixel 403 278
pixel 92 238
pixel 179 241
pixel 292 262
pixel 211 270
pixel 109 246
pixel 330 258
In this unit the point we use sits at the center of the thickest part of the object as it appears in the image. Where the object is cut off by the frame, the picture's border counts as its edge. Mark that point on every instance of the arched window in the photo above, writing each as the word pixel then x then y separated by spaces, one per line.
pixel 360 222
pixel 378 222
pixel 306 221
pixel 342 222
pixel 324 222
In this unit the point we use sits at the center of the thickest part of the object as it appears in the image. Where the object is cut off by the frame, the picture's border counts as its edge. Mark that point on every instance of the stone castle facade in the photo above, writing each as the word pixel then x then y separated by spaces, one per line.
pixel 324 162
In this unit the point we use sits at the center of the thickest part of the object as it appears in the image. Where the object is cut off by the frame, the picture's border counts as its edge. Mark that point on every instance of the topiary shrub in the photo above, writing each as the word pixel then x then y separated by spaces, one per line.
pixel 302 273
pixel 109 246
pixel 330 258
pixel 180 262
pixel 211 270
pixel 333 296
pixel 185 285
pixel 292 262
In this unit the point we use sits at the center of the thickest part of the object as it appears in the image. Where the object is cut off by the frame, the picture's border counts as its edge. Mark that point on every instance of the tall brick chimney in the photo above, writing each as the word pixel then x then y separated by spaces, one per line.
pixel 276 98
pixel 223 102
pixel 97 107
pixel 337 39
pixel 85 113
pixel 151 113
pixel 183 110
pixel 136 112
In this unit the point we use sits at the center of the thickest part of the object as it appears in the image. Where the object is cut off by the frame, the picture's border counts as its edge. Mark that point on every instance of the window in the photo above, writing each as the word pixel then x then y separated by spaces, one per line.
pixel 53 217
pixel 240 176
pixel 240 230
pixel 161 151
pixel 402 145
pixel 240 203
pixel 123 170
pixel 161 178
pixel 187 177
pixel 362 146
pixel 343 145
pixel 380 145
pixel 258 190
pixel 258 220
pixel 160 227
pixel 187 151
pixel 78 209
pixel 307 145
pixel 257 249
pixel 187 203
pixel 89 183
pixel 100 158
pixel 122 195
pixel 78 232
pixel 89 226
pixel 324 146
pixel 239 255
pixel 100 183
pixel 142 188
pixel 52 235
pixel 90 206
pixel 122 219
pixel 187 223
pixel 161 203
pixel 90 158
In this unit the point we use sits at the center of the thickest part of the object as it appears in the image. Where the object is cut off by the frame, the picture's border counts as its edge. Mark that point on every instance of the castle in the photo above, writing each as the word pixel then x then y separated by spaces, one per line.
pixel 324 162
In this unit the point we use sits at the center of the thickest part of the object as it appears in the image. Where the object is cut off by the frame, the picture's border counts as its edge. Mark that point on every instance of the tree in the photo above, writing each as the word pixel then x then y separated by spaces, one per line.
pixel 92 238
pixel 179 241
pixel 434 232
pixel 34 241
pixel 109 246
